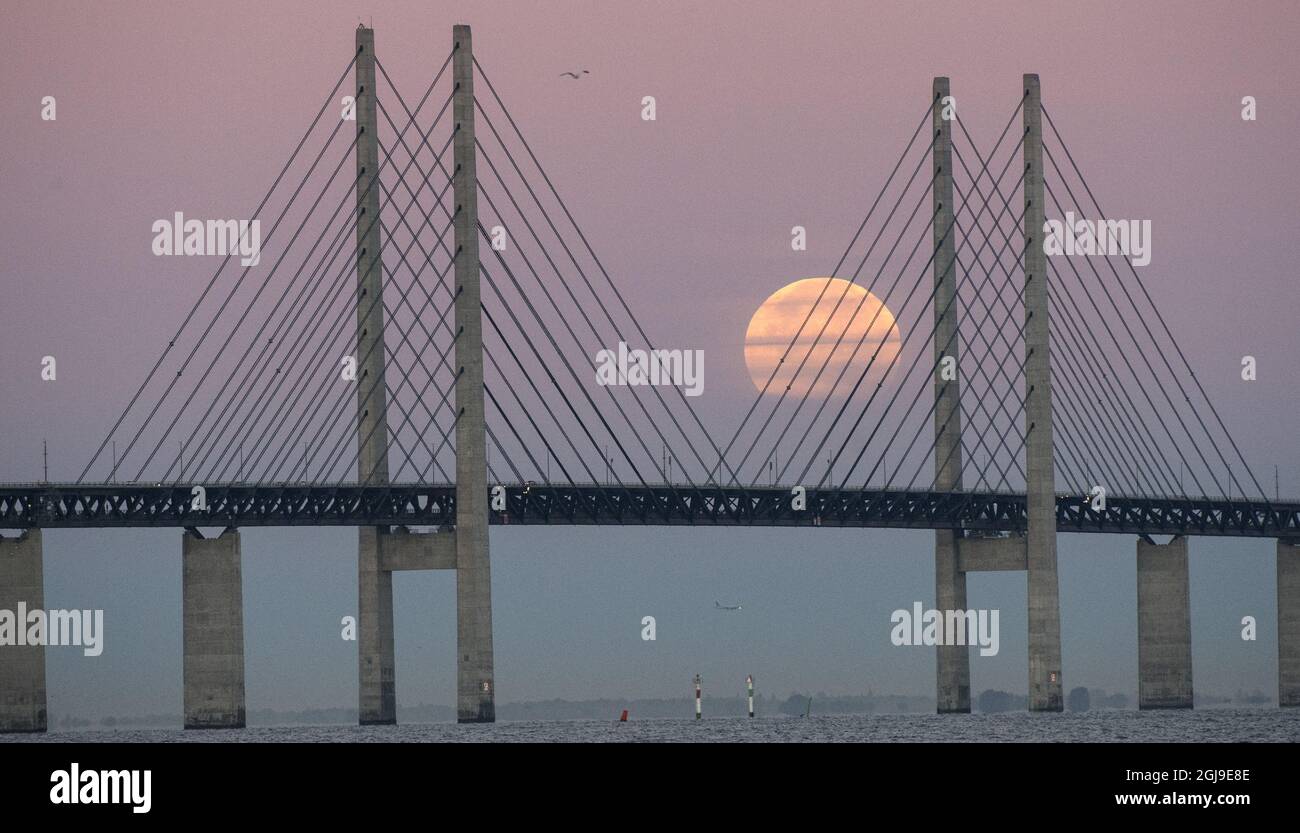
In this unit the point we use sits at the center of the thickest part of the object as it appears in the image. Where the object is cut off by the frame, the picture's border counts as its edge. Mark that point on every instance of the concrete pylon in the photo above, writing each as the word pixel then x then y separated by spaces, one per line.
pixel 376 674
pixel 475 686
pixel 212 626
pixel 22 667
pixel 1164 625
pixel 952 678
pixel 1044 592
pixel 1288 623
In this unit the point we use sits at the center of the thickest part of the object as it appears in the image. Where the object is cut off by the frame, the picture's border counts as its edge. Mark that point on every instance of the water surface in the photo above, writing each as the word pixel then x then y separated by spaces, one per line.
pixel 1209 725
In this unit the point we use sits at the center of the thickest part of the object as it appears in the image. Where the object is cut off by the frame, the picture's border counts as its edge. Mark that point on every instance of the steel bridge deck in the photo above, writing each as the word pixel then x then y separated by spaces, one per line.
pixel 61 506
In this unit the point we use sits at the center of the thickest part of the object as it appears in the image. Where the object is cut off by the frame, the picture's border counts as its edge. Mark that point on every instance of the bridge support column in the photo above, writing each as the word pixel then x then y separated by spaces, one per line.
pixel 475 687
pixel 1164 626
pixel 1045 683
pixel 22 667
pixel 1288 623
pixel 212 614
pixel 952 678
pixel 952 690
pixel 376 669
pixel 377 666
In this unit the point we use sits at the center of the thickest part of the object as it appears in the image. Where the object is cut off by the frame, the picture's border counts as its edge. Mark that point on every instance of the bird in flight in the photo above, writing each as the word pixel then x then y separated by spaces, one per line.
pixel 720 606
pixel 574 74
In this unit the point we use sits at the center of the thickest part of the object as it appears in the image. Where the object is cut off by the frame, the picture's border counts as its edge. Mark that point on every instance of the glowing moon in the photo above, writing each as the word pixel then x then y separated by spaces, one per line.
pixel 778 319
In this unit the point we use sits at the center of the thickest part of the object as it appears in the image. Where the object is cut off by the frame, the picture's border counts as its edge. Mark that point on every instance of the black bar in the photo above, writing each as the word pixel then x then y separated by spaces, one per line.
pixel 1050 784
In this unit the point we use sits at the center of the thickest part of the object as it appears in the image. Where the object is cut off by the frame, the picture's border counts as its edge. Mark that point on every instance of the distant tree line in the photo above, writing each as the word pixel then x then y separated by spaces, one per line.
pixel 1080 699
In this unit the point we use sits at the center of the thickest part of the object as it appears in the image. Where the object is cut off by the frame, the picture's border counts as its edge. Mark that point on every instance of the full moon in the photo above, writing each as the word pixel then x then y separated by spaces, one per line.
pixel 776 321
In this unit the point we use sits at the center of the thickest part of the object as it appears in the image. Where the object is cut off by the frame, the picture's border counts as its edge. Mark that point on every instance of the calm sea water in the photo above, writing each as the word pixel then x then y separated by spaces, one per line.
pixel 1211 725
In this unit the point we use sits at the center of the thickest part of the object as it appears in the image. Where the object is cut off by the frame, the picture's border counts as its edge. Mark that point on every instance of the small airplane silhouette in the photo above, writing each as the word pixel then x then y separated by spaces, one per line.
pixel 574 74
pixel 720 606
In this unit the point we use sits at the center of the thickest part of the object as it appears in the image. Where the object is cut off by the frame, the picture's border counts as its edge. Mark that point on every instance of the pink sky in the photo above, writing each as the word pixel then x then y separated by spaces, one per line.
pixel 770 115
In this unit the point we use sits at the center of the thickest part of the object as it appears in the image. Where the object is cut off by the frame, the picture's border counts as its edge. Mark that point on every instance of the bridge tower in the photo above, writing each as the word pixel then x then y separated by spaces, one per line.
pixel 1040 465
pixel 952 693
pixel 382 550
pixel 475 687
pixel 376 673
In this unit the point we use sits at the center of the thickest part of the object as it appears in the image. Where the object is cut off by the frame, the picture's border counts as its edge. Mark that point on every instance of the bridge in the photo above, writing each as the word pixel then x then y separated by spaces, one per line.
pixel 71 506
pixel 1047 396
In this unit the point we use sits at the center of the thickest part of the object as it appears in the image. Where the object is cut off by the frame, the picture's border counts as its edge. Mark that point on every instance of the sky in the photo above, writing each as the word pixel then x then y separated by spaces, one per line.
pixel 769 115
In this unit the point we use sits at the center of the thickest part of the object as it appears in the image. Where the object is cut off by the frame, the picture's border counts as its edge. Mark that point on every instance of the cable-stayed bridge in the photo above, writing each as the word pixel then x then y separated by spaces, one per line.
pixel 413 351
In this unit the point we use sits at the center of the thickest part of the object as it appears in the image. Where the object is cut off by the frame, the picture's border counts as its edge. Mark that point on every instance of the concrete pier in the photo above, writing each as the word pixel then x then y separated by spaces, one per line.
pixel 1164 626
pixel 377 667
pixel 985 554
pixel 22 667
pixel 1045 684
pixel 1288 623
pixel 475 686
pixel 952 678
pixel 376 670
pixel 212 614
